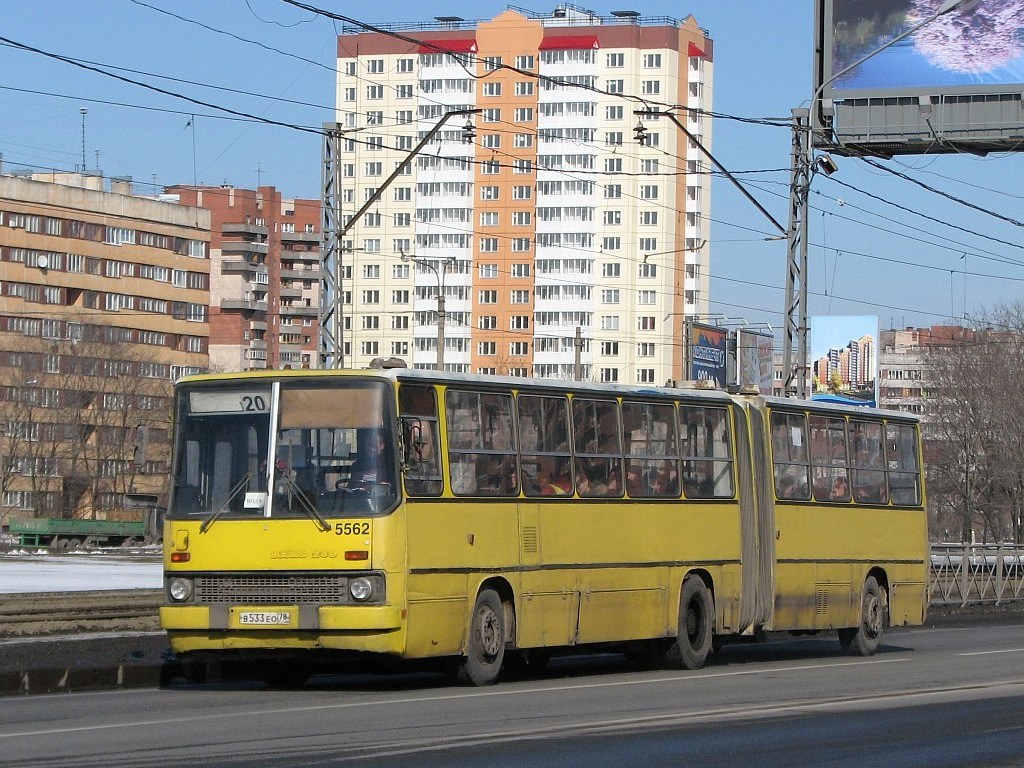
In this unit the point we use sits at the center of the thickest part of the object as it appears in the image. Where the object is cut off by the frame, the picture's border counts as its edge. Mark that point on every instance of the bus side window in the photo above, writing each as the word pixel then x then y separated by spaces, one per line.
pixel 422 452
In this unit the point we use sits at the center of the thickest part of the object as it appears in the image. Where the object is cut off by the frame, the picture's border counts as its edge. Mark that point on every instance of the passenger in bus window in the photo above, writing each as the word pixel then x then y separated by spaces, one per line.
pixel 786 487
pixel 552 479
pixel 665 480
pixel 840 489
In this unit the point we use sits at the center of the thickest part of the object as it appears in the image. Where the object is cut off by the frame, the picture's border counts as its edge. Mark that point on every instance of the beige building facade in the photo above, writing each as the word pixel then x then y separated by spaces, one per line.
pixel 552 224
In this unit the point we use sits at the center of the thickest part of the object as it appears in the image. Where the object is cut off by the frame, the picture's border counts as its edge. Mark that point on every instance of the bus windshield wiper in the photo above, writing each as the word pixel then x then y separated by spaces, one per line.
pixel 241 484
pixel 307 506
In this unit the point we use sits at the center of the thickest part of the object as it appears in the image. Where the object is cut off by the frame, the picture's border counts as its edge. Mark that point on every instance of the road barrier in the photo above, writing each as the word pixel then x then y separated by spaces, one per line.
pixel 976 574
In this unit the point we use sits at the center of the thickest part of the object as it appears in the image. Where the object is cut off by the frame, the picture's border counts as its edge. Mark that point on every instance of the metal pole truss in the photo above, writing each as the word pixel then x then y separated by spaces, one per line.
pixel 794 361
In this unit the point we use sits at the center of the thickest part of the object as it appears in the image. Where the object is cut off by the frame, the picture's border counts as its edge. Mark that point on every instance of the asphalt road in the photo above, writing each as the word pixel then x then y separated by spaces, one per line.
pixel 946 696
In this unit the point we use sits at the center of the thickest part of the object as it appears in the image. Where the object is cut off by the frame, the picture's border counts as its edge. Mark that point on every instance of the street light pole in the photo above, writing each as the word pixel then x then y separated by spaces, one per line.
pixel 439 275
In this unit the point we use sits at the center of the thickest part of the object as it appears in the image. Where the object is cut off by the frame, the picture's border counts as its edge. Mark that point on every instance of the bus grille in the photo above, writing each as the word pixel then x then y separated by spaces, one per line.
pixel 271 590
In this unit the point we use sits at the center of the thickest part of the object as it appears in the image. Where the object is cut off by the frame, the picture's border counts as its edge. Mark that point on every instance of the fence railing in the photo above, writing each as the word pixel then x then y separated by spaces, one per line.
pixel 976 573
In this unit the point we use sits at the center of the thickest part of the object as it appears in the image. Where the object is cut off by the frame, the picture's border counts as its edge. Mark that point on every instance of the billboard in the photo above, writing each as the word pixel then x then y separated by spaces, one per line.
pixel 708 348
pixel 903 77
pixel 754 364
pixel 844 357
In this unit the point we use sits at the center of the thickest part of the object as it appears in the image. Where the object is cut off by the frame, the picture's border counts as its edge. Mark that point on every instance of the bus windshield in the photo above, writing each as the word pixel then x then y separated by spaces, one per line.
pixel 290 449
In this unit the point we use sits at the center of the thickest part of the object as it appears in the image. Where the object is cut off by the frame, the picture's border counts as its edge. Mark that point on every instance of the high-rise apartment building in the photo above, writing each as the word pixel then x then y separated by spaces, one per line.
pixel 264 276
pixel 553 222
pixel 103 303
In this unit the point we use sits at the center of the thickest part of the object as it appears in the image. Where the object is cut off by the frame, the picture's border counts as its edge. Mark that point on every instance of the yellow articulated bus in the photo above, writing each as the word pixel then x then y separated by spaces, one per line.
pixel 317 517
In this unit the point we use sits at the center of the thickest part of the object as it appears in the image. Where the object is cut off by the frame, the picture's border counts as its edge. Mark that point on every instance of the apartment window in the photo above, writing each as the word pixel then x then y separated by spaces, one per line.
pixel 490 167
pixel 610 296
pixel 371 245
pixel 649 166
pixel 403 116
pixel 521 218
pixel 524 88
pixel 350 68
pixel 523 115
pixel 650 87
pixel 489 192
pixel 648 270
pixel 649 218
pixel 491 141
pixel 405 66
pixel 488 271
pixel 609 375
pixel 518 348
pixel 492 63
pixel 649 192
pixel 522 165
pixel 487 348
pixel 645 323
pixel 400 348
pixel 488 245
pixel 613 191
pixel 492 88
pixel 403 219
pixel 400 297
pixel 645 376
pixel 403 91
pixel 370 348
pixel 613 217
pixel 521 270
pixel 522 140
pixel 489 219
pixel 611 244
pixel 652 61
pixel 613 138
pixel 522 192
pixel 519 322
pixel 488 297
pixel 371 322
pixel 400 322
pixel 403 194
pixel 491 115
pixel 487 322
pixel 401 271
pixel 615 60
pixel 645 349
pixel 520 297
pixel 648 244
pixel 371 271
pixel 374 92
pixel 613 165
pixel 614 113
pixel 375 66
pixel 525 62
pixel 609 348
pixel 350 94
pixel 520 244
pixel 610 323
pixel 371 297
pixel 615 86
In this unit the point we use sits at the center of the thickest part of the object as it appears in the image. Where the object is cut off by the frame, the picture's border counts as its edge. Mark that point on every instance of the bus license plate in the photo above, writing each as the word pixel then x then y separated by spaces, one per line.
pixel 264 618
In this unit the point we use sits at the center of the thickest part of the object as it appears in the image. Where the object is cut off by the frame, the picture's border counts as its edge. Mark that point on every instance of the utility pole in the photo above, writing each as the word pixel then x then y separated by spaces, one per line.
pixel 795 370
pixel 577 365
pixel 334 228
pixel 439 274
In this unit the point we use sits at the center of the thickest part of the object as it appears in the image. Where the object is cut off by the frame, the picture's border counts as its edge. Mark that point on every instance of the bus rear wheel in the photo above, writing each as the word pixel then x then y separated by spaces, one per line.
pixel 485 645
pixel 864 639
pixel 693 642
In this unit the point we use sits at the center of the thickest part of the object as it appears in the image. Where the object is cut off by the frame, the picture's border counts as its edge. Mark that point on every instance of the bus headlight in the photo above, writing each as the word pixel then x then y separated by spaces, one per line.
pixel 361 589
pixel 180 589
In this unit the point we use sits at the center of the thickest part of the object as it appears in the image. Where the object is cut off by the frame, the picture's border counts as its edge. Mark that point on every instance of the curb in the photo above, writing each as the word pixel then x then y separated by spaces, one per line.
pixel 80 679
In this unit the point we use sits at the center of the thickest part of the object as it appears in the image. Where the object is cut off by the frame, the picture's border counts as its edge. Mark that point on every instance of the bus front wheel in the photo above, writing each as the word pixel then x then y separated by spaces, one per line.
pixel 864 639
pixel 693 643
pixel 485 645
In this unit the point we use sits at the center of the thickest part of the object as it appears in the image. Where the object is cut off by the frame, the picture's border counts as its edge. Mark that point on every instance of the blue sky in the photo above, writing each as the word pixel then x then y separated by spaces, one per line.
pixel 866 256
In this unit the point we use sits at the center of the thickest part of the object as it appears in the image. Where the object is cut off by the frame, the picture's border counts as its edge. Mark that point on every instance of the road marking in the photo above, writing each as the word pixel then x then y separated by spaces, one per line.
pixel 988 653
pixel 501 691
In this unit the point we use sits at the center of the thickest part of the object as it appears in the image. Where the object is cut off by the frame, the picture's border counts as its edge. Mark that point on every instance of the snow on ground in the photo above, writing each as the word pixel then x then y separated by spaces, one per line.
pixel 38 571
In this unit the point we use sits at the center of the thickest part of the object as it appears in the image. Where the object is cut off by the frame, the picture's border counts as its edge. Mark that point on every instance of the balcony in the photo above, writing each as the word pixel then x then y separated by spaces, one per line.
pixel 300 237
pixel 300 274
pixel 248 304
pixel 258 325
pixel 298 311
pixel 257 344
pixel 290 293
pixel 303 256
pixel 243 246
pixel 239 228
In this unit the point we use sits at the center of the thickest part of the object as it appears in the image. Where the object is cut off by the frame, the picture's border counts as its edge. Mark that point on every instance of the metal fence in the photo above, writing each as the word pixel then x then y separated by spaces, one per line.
pixel 976 574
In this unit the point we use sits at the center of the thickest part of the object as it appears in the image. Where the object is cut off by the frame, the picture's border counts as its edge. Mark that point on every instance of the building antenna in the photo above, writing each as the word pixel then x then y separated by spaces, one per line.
pixel 83 110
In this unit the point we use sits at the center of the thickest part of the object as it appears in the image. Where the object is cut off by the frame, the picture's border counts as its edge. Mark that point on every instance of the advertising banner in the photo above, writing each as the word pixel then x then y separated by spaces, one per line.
pixel 754 360
pixel 708 347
